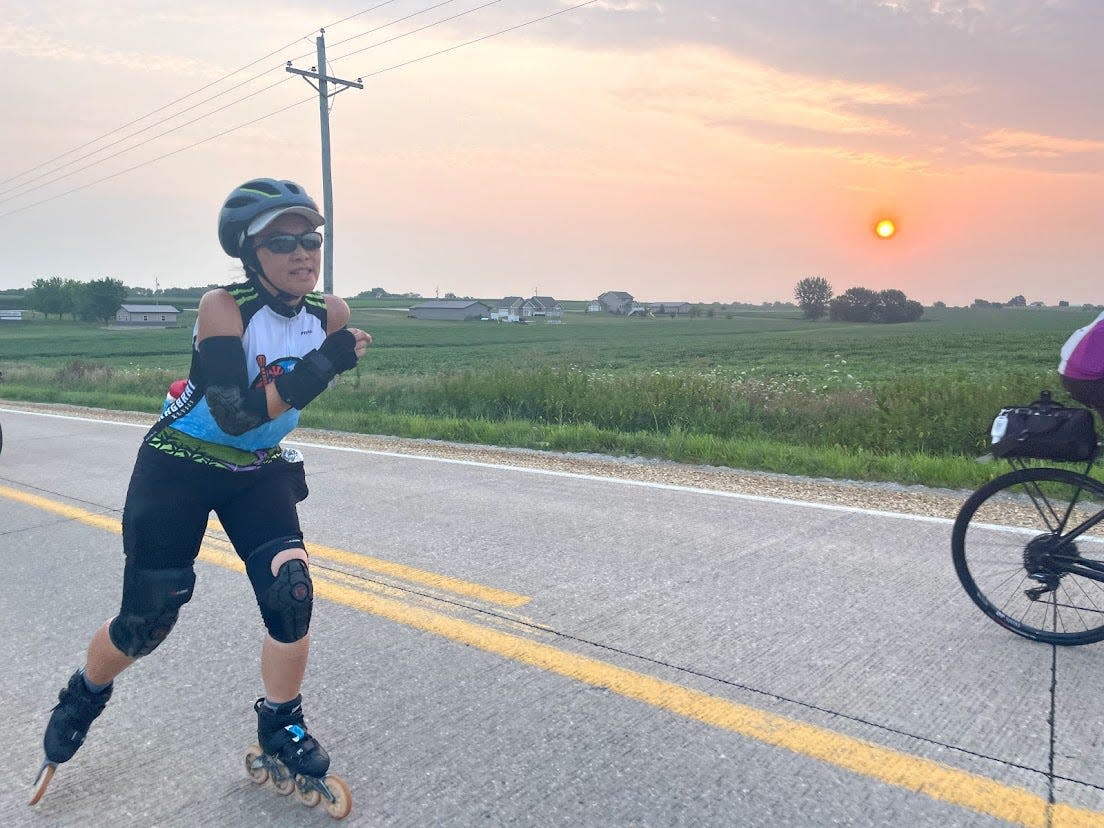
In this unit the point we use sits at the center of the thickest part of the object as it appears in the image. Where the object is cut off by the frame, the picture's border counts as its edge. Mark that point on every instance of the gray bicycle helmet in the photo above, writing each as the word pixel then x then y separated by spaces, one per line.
pixel 261 197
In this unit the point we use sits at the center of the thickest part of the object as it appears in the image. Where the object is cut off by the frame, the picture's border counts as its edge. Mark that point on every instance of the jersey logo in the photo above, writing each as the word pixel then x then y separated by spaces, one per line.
pixel 270 370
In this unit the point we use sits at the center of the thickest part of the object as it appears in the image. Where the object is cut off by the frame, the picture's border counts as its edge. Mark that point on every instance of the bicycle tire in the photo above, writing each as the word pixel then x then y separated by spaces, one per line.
pixel 999 545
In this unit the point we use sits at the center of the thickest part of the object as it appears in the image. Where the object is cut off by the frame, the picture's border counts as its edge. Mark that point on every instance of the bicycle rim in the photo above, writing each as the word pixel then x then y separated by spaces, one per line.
pixel 1007 540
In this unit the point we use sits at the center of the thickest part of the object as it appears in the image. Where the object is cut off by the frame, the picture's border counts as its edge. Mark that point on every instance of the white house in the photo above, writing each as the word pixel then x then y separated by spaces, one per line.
pixel 544 306
pixel 509 309
pixel 617 301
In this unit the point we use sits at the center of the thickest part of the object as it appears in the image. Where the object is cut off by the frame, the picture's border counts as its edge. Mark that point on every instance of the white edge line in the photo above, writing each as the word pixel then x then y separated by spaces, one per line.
pixel 780 501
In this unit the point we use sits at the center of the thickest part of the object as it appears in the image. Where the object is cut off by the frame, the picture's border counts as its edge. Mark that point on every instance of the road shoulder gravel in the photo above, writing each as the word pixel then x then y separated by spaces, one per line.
pixel 889 497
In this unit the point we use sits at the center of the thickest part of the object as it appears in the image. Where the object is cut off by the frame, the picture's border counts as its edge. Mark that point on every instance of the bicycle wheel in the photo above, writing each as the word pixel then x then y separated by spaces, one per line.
pixel 1010 541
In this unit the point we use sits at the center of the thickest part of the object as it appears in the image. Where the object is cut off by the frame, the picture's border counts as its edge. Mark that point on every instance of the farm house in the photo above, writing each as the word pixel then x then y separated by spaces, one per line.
pixel 158 316
pixel 456 310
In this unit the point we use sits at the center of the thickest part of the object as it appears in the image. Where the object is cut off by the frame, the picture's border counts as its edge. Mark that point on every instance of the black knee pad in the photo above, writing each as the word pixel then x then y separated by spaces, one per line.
pixel 287 598
pixel 152 599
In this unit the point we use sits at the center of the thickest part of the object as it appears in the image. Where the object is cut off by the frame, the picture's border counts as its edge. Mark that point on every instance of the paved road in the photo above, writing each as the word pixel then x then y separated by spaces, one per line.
pixel 501 646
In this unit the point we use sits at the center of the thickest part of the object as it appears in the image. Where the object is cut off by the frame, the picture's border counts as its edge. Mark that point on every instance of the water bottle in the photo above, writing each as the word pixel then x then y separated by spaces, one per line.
pixel 1000 426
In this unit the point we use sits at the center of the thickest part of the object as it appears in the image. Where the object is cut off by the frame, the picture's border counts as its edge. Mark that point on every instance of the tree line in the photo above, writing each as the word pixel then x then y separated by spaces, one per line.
pixel 857 304
pixel 97 300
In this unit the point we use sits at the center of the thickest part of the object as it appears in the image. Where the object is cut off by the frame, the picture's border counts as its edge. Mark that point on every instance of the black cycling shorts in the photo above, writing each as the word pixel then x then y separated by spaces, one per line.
pixel 1087 392
pixel 170 499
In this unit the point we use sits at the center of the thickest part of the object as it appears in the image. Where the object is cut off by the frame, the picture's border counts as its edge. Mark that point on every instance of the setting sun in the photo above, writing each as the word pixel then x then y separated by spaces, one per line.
pixel 885 228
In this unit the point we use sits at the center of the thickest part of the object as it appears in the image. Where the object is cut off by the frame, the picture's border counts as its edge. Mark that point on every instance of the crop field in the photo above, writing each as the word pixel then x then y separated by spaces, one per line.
pixel 755 389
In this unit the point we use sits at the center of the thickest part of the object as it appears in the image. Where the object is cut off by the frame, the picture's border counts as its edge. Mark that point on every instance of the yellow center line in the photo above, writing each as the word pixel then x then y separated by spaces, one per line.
pixel 902 770
pixel 456 586
pixel 434 580
pixel 933 779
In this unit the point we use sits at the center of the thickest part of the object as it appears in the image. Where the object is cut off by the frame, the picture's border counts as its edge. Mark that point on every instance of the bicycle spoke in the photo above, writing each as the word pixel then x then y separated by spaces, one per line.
pixel 1027 534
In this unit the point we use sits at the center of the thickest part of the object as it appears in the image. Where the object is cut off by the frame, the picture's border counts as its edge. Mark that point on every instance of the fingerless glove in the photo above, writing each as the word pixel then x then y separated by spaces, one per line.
pixel 340 349
pixel 314 372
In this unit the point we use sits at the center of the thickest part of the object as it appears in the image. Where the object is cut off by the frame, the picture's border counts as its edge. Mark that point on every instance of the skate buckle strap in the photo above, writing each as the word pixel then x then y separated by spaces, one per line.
pixel 297 733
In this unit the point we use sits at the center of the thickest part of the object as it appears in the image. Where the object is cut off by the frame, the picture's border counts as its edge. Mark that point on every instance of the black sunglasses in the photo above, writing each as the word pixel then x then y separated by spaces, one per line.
pixel 286 242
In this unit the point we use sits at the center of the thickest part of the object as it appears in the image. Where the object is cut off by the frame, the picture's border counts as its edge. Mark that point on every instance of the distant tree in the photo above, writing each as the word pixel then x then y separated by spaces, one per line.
pixel 70 296
pixel 813 293
pixel 47 296
pixel 939 304
pixel 1017 302
pixel 374 293
pixel 100 299
pixel 859 304
pixel 1063 303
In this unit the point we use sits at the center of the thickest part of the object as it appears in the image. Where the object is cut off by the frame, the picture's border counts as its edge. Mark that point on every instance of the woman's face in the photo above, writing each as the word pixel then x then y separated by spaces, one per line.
pixel 295 272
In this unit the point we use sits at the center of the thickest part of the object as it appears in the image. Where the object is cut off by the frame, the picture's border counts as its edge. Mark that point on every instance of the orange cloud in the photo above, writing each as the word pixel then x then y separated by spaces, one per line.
pixel 715 87
pixel 1008 143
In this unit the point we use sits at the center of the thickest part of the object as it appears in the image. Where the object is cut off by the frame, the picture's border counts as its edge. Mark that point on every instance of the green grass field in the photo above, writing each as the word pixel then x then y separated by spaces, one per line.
pixel 753 389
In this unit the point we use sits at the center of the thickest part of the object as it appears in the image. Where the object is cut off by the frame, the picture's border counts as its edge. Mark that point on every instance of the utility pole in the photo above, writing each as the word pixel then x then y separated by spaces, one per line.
pixel 318 73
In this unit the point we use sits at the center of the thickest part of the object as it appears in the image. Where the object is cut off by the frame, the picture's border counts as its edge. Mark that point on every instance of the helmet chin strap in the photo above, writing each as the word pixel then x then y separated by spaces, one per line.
pixel 281 295
pixel 253 268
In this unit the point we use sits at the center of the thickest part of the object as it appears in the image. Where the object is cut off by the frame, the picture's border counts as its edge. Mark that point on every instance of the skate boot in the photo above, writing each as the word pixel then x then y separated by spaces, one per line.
pixel 74 713
pixel 294 760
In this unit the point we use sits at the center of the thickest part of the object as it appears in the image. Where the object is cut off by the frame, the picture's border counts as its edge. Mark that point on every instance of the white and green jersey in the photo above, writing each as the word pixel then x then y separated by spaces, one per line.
pixel 274 343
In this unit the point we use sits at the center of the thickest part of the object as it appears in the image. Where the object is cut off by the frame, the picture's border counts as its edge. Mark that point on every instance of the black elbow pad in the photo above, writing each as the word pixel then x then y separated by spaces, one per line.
pixel 235 412
pixel 235 407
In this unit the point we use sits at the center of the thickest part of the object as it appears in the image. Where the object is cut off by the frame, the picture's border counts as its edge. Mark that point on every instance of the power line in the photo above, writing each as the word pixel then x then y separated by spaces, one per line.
pixel 392 23
pixel 24 189
pixel 148 114
pixel 141 143
pixel 474 40
pixel 154 125
pixel 358 14
pixel 158 158
pixel 298 103
pixel 174 102
pixel 419 29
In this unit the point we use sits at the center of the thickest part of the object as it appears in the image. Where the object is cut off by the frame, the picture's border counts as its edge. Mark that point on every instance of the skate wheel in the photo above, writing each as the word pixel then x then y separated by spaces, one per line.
pixel 308 795
pixel 343 798
pixel 256 770
pixel 284 786
pixel 45 774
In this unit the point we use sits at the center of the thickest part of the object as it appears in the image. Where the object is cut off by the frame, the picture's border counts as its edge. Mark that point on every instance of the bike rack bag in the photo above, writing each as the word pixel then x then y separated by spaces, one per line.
pixel 1044 430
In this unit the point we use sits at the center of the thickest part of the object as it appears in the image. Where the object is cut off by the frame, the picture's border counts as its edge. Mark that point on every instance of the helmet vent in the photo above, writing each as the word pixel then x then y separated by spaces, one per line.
pixel 265 187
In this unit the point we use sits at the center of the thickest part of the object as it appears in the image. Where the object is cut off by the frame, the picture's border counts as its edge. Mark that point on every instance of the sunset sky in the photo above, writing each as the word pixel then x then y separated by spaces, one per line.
pixel 698 150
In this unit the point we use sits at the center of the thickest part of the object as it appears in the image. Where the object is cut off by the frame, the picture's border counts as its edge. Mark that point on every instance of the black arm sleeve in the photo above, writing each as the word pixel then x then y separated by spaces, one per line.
pixel 235 406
